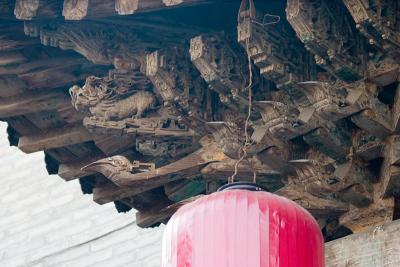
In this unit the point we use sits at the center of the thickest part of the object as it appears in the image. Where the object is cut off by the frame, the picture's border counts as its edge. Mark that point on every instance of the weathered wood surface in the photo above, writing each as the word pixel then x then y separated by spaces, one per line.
pixel 55 138
pixel 77 10
pixel 31 9
pixel 160 215
pixel 73 170
pixel 158 108
pixel 378 247
pixel 89 9
pixel 128 7
pixel 390 172
pixel 32 102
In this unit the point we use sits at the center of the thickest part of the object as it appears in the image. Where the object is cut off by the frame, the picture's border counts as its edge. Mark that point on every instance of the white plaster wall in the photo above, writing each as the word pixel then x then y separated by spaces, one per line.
pixel 45 221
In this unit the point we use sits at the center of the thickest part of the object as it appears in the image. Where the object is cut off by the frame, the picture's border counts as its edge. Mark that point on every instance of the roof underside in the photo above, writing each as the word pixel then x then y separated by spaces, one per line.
pixel 146 102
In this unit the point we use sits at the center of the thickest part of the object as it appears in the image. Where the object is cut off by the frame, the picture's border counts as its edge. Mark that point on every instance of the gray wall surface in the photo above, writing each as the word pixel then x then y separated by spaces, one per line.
pixel 45 221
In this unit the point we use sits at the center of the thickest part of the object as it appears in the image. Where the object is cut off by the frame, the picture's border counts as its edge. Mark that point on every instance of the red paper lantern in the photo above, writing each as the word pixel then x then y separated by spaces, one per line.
pixel 240 228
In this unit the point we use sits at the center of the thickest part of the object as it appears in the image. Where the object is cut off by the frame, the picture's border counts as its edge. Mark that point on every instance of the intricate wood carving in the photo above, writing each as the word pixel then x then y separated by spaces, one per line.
pixel 105 99
pixel 366 145
pixel 159 147
pixel 285 121
pixel 122 172
pixel 184 189
pixel 347 182
pixel 339 100
pixel 318 135
pixel 123 46
pixel 73 170
pixel 379 21
pixel 26 9
pixel 275 50
pixel 223 67
pixel 327 31
pixel 180 88
pixel 118 103
pixel 374 215
pixel 383 71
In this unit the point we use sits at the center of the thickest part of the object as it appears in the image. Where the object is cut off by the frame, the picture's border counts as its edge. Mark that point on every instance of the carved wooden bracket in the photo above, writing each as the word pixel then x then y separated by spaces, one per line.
pixel 180 88
pixel 390 171
pixel 327 32
pixel 31 9
pixel 278 54
pixel 222 67
pixel 377 21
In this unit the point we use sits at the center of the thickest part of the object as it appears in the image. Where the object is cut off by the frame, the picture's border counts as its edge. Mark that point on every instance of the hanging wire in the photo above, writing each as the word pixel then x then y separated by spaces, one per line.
pixel 242 152
pixel 264 23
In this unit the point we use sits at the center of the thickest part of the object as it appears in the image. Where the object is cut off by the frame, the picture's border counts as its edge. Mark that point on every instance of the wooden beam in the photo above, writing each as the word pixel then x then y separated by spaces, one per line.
pixel 78 10
pixel 390 170
pixel 30 9
pixel 128 7
pixel 160 215
pixel 12 57
pixel 11 85
pixel 376 214
pixel 32 102
pixel 58 71
pixel 318 207
pixel 70 114
pixel 396 110
pixel 119 169
pixel 43 63
pixel 62 154
pixel 110 192
pixel 60 137
pixel 113 144
pixel 13 38
pixel 83 9
pixel 71 171
pixel 57 76
pixel 379 246
pixel 367 146
pixel 180 2
pixel 22 125
pixel 375 122
pixel 332 140
pixel 384 75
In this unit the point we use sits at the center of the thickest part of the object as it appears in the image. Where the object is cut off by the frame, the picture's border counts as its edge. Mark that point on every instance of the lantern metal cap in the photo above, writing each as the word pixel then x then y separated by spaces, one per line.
pixel 242 186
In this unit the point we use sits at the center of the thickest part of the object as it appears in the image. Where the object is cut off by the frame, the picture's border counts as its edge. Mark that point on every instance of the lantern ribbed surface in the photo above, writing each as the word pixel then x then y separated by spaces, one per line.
pixel 240 228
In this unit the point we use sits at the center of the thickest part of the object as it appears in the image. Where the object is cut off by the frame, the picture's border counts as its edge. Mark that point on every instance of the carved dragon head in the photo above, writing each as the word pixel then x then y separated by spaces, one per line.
pixel 94 91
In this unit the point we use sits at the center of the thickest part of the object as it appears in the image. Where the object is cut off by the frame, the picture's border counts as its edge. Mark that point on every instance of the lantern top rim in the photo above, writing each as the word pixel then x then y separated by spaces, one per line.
pixel 242 186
